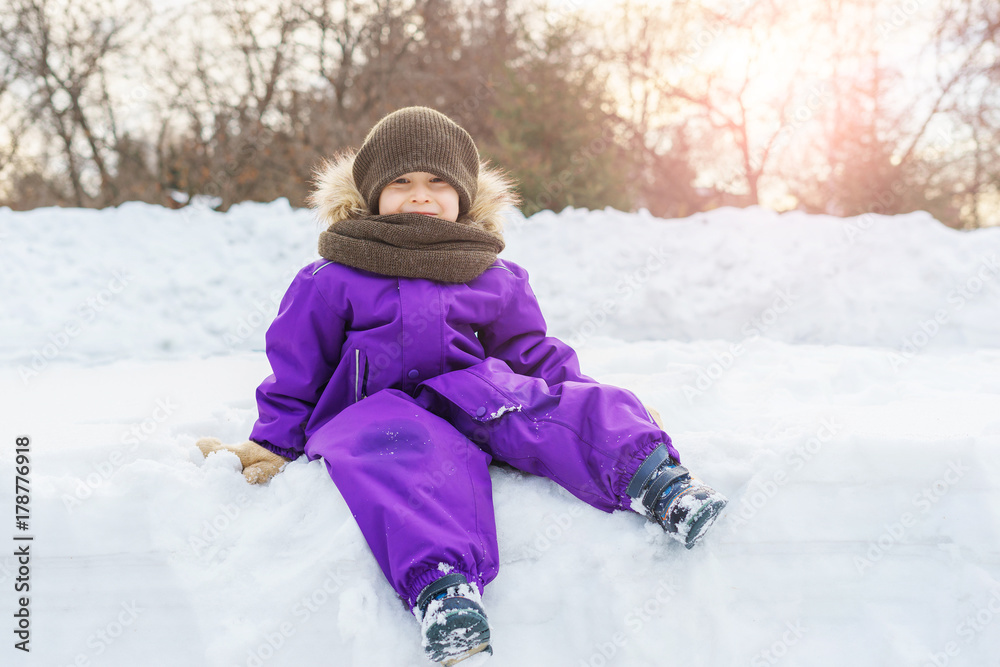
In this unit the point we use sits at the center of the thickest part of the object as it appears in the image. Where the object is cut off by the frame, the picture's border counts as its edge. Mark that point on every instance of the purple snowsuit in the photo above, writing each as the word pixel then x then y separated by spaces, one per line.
pixel 409 388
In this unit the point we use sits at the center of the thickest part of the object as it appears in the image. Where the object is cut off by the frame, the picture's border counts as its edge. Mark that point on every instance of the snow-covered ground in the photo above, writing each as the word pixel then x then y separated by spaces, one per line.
pixel 839 380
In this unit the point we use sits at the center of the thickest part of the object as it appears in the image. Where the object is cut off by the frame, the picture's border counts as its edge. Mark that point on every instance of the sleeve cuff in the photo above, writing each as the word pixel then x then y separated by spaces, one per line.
pixel 290 454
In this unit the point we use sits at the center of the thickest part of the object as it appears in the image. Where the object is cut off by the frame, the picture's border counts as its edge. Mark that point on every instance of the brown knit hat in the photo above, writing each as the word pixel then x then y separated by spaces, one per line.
pixel 417 139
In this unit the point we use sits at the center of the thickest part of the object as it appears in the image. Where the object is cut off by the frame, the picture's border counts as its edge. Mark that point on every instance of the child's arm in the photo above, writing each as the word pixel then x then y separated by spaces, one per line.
pixel 303 345
pixel 518 337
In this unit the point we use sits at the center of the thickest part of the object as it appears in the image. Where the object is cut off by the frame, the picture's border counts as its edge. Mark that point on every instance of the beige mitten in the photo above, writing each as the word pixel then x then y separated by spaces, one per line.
pixel 259 464
pixel 656 417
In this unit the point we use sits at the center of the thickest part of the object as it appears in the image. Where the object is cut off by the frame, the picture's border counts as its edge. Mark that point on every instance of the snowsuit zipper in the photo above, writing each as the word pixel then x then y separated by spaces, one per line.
pixel 360 380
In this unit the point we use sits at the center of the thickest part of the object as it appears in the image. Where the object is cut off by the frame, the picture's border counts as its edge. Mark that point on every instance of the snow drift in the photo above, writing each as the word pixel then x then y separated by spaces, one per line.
pixel 145 281
pixel 838 379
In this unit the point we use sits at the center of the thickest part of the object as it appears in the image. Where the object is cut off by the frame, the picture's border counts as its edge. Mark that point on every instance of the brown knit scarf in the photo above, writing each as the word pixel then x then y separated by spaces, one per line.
pixel 411 245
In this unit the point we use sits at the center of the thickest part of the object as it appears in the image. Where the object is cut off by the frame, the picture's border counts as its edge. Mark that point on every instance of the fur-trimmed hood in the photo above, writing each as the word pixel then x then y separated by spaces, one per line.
pixel 337 198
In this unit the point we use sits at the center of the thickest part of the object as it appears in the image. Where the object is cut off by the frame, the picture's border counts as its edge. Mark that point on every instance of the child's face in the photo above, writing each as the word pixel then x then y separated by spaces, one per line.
pixel 420 192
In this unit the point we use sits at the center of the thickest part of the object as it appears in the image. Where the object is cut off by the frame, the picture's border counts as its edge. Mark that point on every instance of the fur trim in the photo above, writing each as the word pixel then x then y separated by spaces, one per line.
pixel 336 197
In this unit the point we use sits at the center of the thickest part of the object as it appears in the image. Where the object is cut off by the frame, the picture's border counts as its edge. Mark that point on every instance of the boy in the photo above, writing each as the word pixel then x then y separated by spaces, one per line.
pixel 410 357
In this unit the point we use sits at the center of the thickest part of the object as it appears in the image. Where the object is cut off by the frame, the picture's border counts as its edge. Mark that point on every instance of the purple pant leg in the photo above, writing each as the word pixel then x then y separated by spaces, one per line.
pixel 419 490
pixel 589 438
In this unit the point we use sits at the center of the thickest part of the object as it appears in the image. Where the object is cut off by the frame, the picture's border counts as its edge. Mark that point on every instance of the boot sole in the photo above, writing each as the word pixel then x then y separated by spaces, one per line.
pixel 704 520
pixel 445 643
pixel 468 654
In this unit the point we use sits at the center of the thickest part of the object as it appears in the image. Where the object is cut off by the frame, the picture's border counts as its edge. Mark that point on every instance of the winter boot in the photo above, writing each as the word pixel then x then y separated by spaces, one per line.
pixel 452 620
pixel 667 493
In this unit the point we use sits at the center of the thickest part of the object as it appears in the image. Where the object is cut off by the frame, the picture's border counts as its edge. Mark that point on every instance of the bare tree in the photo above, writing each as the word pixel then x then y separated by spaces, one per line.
pixel 359 50
pixel 60 52
pixel 892 139
pixel 229 73
pixel 638 48
pixel 974 27
pixel 13 120
pixel 702 97
pixel 288 83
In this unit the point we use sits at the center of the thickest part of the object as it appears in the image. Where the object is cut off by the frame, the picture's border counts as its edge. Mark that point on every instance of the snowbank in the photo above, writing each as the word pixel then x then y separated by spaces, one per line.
pixel 838 380
pixel 144 281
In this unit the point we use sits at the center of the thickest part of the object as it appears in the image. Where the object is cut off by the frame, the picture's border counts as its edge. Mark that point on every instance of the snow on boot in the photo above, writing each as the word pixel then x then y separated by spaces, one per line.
pixel 667 493
pixel 452 620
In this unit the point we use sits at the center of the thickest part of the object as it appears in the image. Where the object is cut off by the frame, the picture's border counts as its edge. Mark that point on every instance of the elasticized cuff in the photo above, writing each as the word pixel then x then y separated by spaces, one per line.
pixel 289 454
pixel 632 465
pixel 421 581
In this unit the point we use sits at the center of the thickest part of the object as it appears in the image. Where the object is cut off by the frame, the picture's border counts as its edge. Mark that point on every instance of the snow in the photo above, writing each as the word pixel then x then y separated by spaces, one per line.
pixel 838 380
pixel 504 409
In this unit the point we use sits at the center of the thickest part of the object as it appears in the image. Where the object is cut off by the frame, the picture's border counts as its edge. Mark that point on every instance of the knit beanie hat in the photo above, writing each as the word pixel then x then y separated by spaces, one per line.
pixel 417 139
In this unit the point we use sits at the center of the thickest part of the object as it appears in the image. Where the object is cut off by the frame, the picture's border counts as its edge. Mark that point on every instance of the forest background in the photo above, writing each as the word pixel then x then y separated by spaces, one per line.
pixel 841 106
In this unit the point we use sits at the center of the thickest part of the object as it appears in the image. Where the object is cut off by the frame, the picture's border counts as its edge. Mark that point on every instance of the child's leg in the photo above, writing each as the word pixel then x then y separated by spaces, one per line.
pixel 590 438
pixel 419 490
